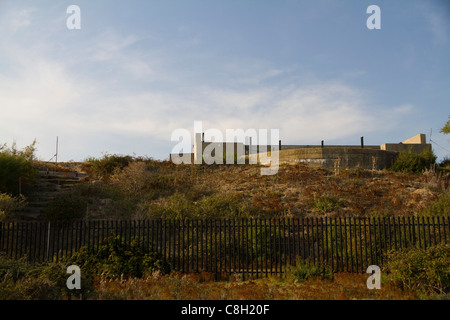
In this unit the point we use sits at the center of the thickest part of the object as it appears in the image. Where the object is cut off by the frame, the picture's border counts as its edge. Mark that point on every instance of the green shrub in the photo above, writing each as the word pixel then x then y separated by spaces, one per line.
pixel 440 207
pixel 408 161
pixel 304 270
pixel 426 271
pixel 219 205
pixel 108 165
pixel 15 165
pixel 181 206
pixel 444 165
pixel 22 280
pixel 445 162
pixel 116 258
pixel 67 207
pixel 325 203
pixel 9 204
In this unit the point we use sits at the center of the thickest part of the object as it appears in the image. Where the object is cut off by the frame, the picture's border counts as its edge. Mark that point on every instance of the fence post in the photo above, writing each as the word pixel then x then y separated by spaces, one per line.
pixel 48 240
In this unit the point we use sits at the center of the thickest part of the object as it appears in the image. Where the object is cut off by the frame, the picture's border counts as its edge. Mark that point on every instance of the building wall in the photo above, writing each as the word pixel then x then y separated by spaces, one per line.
pixel 329 157
pixel 368 157
pixel 204 150
pixel 399 147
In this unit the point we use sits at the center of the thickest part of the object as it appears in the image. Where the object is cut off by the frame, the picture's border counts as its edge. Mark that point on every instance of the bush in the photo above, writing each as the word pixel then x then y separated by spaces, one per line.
pixel 89 197
pixel 440 207
pixel 326 204
pixel 22 280
pixel 15 165
pixel 426 271
pixel 408 161
pixel 220 205
pixel 181 206
pixel 108 165
pixel 304 270
pixel 67 207
pixel 444 165
pixel 9 204
pixel 116 258
pixel 133 179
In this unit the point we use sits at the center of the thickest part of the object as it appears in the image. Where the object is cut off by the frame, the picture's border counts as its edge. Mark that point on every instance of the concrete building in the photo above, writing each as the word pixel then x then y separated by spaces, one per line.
pixel 362 156
pixel 328 156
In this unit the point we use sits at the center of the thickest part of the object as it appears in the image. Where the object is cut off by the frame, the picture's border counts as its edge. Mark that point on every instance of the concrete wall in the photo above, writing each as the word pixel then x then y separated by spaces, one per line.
pixel 288 147
pixel 369 157
pixel 416 144
pixel 417 139
pixel 328 157
pixel 399 147
pixel 208 151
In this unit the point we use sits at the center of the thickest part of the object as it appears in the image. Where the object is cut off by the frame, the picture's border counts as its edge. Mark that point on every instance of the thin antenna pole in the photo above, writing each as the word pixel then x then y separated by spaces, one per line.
pixel 56 154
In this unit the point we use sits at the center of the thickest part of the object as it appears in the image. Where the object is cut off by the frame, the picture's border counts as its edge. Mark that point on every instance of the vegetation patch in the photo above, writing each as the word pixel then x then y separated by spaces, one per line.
pixel 304 270
pixel 409 161
pixel 425 271
pixel 17 171
pixel 116 259
pixel 9 204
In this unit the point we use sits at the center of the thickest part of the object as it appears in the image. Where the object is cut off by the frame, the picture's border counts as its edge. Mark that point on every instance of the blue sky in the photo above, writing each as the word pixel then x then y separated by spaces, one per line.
pixel 138 70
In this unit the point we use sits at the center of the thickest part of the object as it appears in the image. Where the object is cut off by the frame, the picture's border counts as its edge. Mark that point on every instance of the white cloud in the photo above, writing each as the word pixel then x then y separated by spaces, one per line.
pixel 20 19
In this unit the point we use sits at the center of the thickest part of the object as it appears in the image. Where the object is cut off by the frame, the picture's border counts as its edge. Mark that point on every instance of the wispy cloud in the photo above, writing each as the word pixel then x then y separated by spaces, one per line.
pixel 439 28
pixel 43 96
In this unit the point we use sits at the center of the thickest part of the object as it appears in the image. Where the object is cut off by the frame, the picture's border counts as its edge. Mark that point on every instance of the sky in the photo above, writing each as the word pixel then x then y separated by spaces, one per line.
pixel 138 70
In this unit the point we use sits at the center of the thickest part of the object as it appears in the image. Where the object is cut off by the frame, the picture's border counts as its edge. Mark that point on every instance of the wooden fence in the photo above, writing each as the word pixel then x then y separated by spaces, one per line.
pixel 251 247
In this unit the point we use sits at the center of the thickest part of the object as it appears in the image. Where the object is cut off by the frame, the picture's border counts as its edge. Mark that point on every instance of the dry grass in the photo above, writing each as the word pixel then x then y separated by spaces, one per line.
pixel 200 287
pixel 295 191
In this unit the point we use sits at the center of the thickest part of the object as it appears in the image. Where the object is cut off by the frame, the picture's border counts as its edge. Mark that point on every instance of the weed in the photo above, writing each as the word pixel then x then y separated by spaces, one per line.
pixel 304 270
pixel 327 203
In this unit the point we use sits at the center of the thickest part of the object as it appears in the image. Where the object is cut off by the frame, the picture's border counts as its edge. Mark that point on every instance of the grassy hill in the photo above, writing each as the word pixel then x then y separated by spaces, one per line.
pixel 120 187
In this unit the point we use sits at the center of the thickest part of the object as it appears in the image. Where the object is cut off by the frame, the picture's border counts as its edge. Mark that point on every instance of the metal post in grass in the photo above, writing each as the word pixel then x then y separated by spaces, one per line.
pixel 48 240
pixel 434 231
pixel 448 226
pixel 439 228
